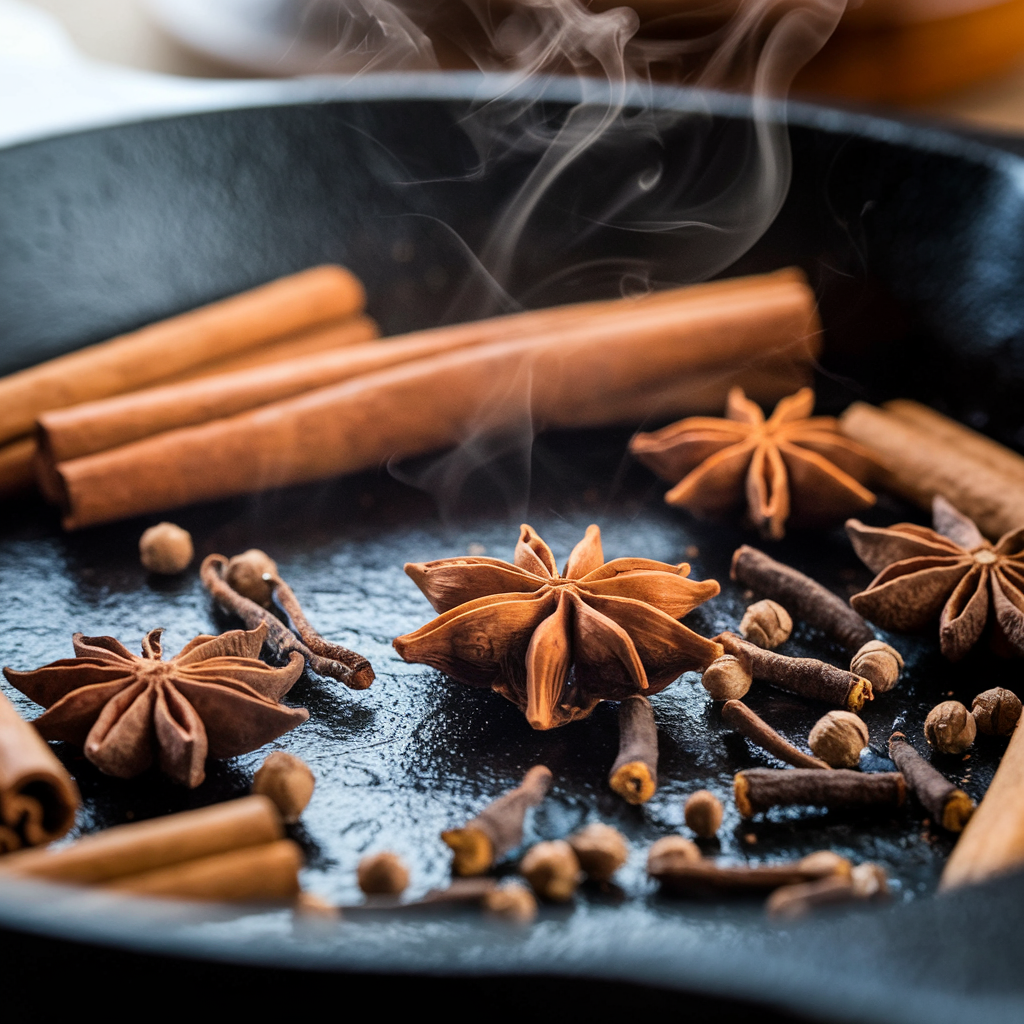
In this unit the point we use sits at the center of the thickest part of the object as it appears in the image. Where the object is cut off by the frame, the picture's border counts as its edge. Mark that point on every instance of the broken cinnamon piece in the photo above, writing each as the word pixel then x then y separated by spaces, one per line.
pixel 600 849
pixel 806 676
pixel 948 805
pixel 737 715
pixel 382 874
pixel 634 775
pixel 552 870
pixel 759 789
pixel 38 798
pixel 690 877
pixel 498 828
pixel 702 813
pixel 287 780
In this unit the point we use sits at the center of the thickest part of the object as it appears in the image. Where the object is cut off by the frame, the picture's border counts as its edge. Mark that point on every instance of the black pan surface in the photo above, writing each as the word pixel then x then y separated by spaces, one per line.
pixel 912 240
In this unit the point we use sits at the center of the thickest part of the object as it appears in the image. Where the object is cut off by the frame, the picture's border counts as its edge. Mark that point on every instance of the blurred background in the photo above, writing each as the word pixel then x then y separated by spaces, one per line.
pixel 960 59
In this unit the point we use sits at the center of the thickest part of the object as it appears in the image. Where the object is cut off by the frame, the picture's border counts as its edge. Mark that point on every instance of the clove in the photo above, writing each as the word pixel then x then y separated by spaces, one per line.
pixel 691 877
pixel 949 806
pixel 759 789
pixel 865 882
pixel 634 775
pixel 737 715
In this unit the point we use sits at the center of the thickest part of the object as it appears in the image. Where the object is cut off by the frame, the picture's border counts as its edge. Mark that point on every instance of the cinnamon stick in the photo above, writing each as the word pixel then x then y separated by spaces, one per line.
pixel 203 335
pixel 992 843
pixel 564 378
pixel 38 799
pixel 145 846
pixel 17 473
pixel 922 460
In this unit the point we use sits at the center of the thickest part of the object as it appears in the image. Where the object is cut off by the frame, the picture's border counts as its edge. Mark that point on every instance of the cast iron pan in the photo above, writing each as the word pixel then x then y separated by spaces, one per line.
pixel 912 239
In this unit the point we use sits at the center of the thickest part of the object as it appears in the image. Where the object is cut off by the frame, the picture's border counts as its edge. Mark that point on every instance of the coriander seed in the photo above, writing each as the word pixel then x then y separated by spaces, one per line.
pixel 879 663
pixel 552 869
pixel 996 711
pixel 703 813
pixel 950 728
pixel 600 849
pixel 727 677
pixel 838 738
pixel 166 549
pixel 767 624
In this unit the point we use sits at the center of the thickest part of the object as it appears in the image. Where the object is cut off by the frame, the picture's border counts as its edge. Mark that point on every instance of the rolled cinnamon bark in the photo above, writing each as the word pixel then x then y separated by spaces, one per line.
pixel 268 873
pixel 949 806
pixel 38 798
pixel 171 346
pixel 737 715
pixel 564 378
pixel 145 846
pixel 759 789
pixel 992 843
pixel 634 775
pixel 921 462
pixel 17 472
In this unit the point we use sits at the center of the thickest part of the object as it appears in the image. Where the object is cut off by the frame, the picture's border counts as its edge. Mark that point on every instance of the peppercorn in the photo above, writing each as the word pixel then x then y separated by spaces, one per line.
pixel 879 663
pixel 996 711
pixel 671 850
pixel 552 869
pixel 600 849
pixel 382 874
pixel 727 677
pixel 513 902
pixel 246 573
pixel 166 549
pixel 767 624
pixel 838 738
pixel 703 813
pixel 288 781
pixel 950 728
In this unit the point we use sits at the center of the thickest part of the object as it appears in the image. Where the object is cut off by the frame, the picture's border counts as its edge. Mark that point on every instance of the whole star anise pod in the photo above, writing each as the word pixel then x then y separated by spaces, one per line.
pixel 214 698
pixel 557 645
pixel 952 568
pixel 789 467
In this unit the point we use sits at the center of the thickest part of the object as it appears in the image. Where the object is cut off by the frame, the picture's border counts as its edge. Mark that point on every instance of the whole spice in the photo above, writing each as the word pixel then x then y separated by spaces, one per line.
pixel 767 624
pixel 600 849
pixel 634 775
pixel 801 596
pixel 759 789
pixel 287 780
pixel 737 715
pixel 214 698
pixel 996 711
pixel 728 677
pixel 166 549
pixel 669 851
pixel 498 828
pixel 865 882
pixel 552 870
pixel 252 574
pixel 952 568
pixel 806 676
pixel 521 628
pixel 693 877
pixel 949 806
pixel 331 660
pixel 382 874
pixel 702 813
pixel 838 738
pixel 463 892
pixel 879 663
pixel 950 728
pixel 512 901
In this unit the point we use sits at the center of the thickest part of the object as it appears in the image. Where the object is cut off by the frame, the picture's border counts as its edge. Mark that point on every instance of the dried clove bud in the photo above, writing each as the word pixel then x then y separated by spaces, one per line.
pixel 996 711
pixel 552 869
pixel 865 882
pixel 949 806
pixel 634 775
pixel 767 624
pixel 382 874
pixel 737 715
pixel 669 852
pixel 252 574
pixel 513 902
pixel 838 738
pixel 166 549
pixel 950 728
pixel 879 663
pixel 703 813
pixel 600 849
pixel 688 877
pixel 728 677
pixel 759 789
pixel 288 781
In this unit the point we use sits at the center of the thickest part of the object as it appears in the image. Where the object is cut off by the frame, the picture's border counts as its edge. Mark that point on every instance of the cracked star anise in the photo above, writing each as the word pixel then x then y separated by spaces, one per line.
pixel 952 568
pixel 557 645
pixel 214 698
pixel 791 466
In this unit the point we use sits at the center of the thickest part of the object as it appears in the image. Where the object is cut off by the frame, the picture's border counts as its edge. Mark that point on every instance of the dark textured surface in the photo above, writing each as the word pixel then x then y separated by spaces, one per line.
pixel 912 246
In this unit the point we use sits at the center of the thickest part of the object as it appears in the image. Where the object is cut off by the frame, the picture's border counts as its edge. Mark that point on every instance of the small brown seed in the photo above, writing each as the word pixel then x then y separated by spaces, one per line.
pixel 727 678
pixel 828 862
pixel 308 903
pixel 669 849
pixel 288 781
pixel 245 574
pixel 513 902
pixel 838 738
pixel 996 711
pixel 879 663
pixel 703 813
pixel 382 874
pixel 950 728
pixel 767 624
pixel 600 849
pixel 870 882
pixel 552 870
pixel 166 549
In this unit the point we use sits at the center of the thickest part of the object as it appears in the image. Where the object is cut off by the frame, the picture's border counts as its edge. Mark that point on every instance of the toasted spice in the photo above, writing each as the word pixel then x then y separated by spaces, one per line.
pixel 553 870
pixel 683 877
pixel 382 874
pixel 513 902
pixel 634 775
pixel 759 789
pixel 950 728
pixel 252 574
pixel 287 780
pixel 166 549
pixel 737 715
pixel 996 711
pixel 838 738
pixel 806 676
pixel 702 813
pixel 767 624
pixel 498 828
pixel 949 806
pixel 728 677
pixel 879 663
pixel 600 849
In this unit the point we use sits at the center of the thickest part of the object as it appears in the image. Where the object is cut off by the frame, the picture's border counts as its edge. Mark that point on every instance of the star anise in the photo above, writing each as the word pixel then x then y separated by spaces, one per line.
pixel 214 698
pixel 557 645
pixel 952 568
pixel 790 466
